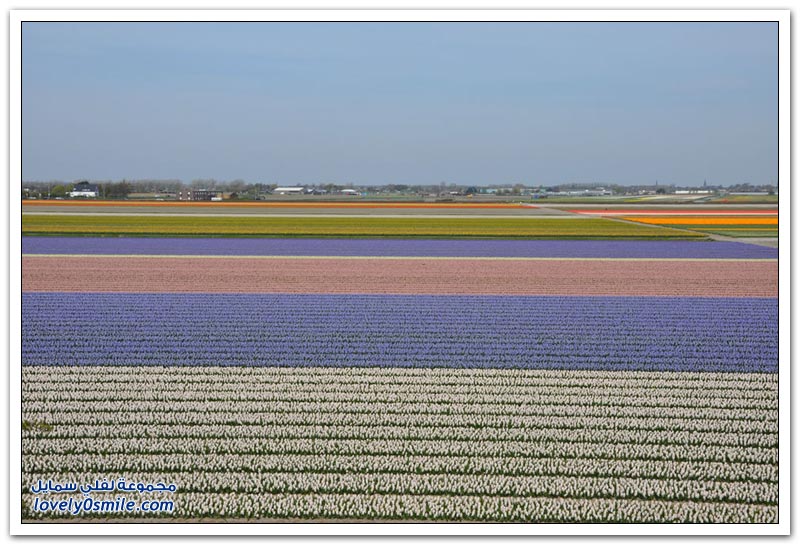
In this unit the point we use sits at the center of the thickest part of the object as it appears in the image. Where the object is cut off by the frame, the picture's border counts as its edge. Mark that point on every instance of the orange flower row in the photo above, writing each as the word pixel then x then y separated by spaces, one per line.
pixel 704 220
pixel 265 204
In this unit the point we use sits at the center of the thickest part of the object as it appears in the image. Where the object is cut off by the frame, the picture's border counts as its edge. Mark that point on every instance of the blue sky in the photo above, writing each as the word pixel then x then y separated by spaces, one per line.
pixel 376 103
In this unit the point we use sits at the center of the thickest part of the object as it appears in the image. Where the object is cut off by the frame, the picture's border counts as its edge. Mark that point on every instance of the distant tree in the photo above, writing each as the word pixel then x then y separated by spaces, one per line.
pixel 237 186
pixel 204 183
pixel 117 191
pixel 661 191
pixel 58 191
pixel 255 190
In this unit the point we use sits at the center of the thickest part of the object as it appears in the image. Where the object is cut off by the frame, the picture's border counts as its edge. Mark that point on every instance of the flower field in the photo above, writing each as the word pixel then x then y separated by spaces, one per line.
pixel 428 444
pixel 694 220
pixel 627 333
pixel 760 222
pixel 699 211
pixel 338 247
pixel 401 276
pixel 407 379
pixel 350 226
pixel 270 204
pixel 735 226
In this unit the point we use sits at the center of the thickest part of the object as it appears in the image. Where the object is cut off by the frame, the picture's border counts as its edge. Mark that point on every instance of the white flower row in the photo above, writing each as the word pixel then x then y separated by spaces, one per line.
pixel 501 460
pixel 748 431
pixel 376 443
pixel 383 507
pixel 354 375
pixel 361 426
pixel 132 384
pixel 485 383
pixel 455 484
pixel 575 467
pixel 747 420
pixel 543 400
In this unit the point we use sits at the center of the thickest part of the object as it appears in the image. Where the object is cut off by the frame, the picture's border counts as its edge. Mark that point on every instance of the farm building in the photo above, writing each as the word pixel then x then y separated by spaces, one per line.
pixel 85 189
pixel 289 190
pixel 199 195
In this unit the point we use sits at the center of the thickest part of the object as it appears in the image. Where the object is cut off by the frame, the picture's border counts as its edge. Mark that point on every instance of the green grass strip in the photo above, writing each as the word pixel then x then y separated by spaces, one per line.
pixel 512 227
pixel 739 230
pixel 744 234
pixel 746 199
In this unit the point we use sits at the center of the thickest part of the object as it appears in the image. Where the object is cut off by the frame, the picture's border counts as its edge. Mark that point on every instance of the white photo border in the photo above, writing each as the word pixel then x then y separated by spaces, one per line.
pixel 17 17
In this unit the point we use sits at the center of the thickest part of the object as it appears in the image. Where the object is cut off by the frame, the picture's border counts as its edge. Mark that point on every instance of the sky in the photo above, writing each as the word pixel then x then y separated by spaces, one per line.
pixel 401 103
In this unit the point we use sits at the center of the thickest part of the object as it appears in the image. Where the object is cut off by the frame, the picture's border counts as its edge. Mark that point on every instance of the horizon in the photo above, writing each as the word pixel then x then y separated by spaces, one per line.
pixel 213 182
pixel 378 104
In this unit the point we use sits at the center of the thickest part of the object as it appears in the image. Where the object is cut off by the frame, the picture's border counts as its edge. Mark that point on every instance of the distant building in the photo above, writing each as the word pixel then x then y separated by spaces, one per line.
pixel 289 190
pixel 349 192
pixel 754 193
pixel 85 189
pixel 597 192
pixel 199 195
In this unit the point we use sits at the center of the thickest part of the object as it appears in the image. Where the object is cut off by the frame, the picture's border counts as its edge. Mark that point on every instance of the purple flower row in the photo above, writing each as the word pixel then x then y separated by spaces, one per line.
pixel 542 332
pixel 396 247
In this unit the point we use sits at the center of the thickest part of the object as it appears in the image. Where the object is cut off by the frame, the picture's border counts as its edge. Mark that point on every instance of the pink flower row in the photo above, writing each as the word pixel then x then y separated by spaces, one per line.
pixel 724 278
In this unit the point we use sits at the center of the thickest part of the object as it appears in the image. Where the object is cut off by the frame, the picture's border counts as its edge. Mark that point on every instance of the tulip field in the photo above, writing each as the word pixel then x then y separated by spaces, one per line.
pixel 263 330
pixel 738 223
pixel 405 379
pixel 344 226
pixel 425 444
